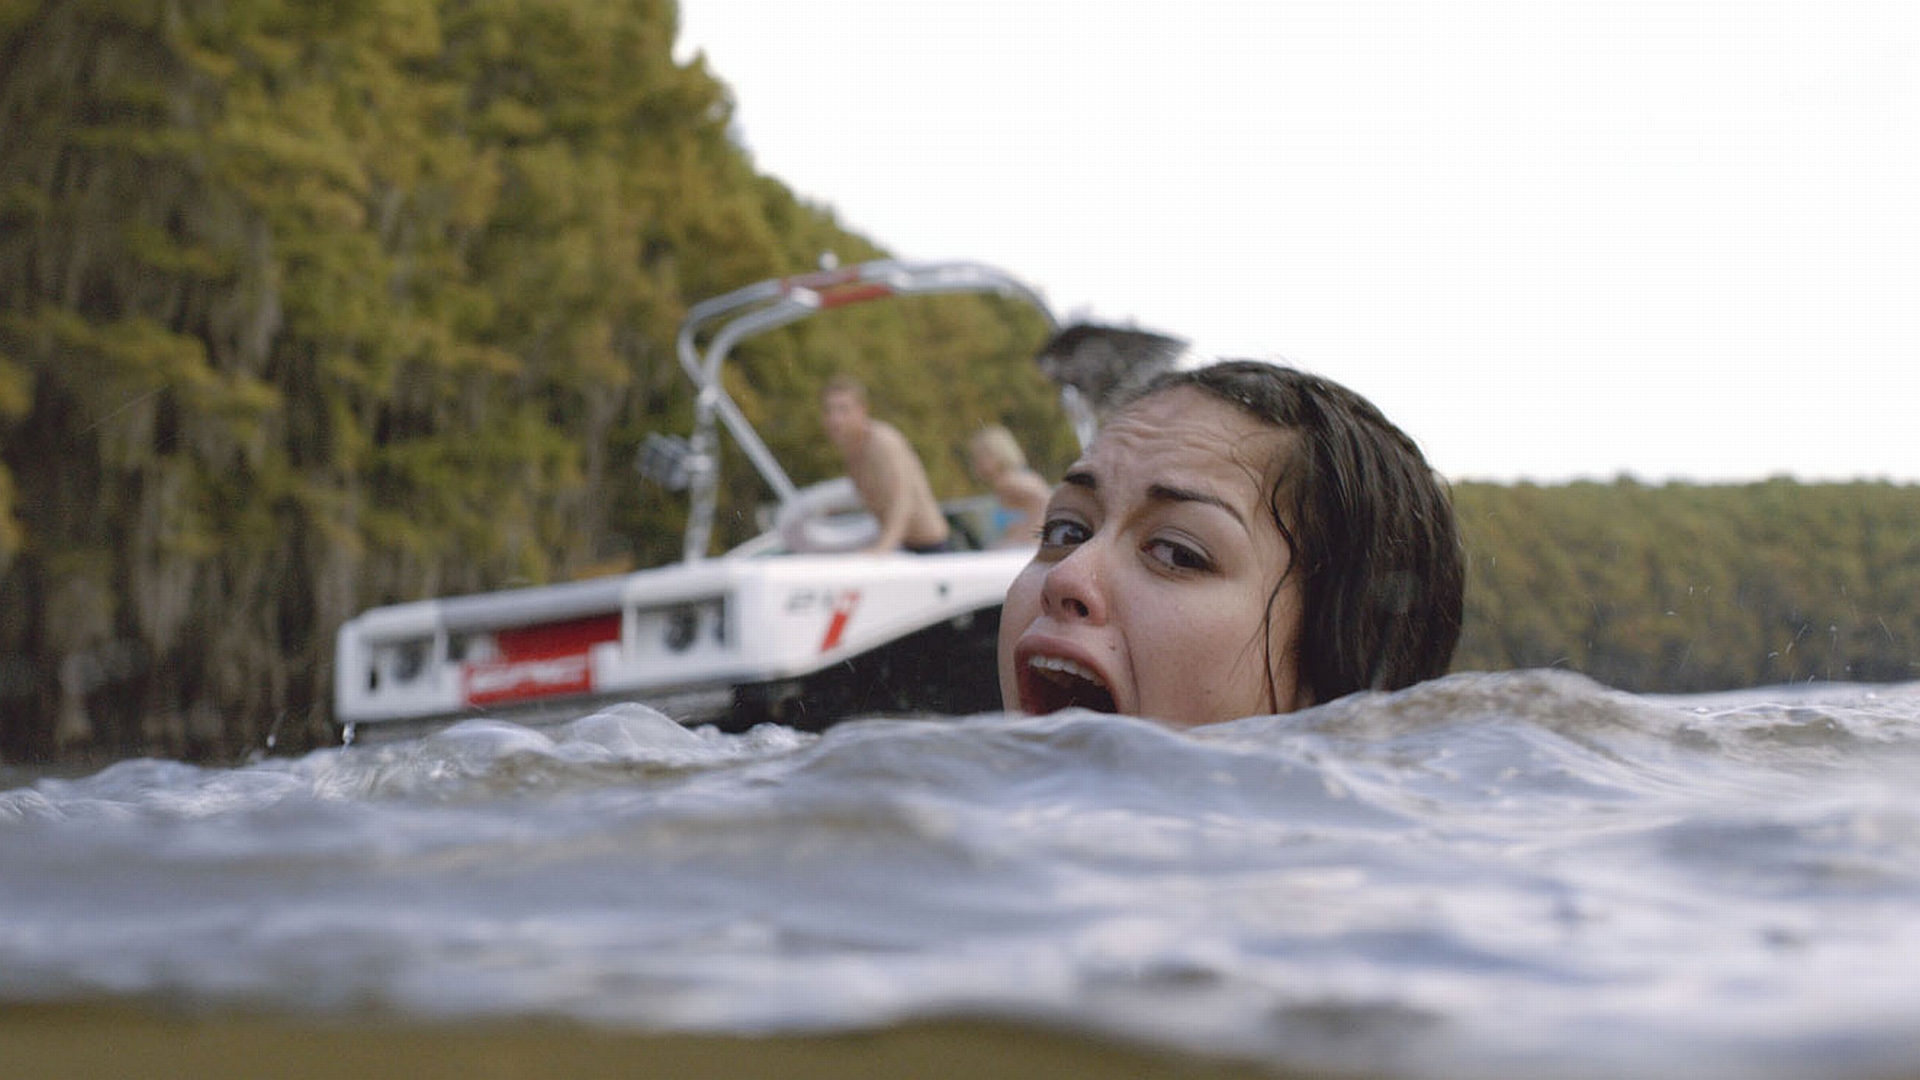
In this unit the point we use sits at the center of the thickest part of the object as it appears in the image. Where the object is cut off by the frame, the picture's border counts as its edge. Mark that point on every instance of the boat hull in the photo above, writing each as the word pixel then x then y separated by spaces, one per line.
pixel 804 640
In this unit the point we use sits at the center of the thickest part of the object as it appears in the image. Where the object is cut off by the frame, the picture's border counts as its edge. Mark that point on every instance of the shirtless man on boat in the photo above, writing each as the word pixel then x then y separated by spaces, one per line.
pixel 885 470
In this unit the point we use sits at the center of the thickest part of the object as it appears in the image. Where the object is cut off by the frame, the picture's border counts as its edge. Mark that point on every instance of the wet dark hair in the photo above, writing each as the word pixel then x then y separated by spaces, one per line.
pixel 1372 530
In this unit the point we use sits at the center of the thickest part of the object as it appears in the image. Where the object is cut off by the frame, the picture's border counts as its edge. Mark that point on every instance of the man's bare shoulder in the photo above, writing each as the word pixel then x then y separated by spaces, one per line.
pixel 885 441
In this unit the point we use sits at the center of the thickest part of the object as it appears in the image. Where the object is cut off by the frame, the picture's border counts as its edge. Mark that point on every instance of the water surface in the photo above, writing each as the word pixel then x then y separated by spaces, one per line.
pixel 1521 873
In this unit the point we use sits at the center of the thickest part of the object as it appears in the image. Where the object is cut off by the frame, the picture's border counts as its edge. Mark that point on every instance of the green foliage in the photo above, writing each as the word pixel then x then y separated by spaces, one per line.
pixel 1687 588
pixel 310 306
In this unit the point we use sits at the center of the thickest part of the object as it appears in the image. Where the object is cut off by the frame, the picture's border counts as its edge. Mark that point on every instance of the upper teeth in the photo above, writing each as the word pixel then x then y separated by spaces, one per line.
pixel 1068 667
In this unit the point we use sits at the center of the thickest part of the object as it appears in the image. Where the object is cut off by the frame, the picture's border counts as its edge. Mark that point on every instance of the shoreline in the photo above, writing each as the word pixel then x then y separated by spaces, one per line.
pixel 62 1041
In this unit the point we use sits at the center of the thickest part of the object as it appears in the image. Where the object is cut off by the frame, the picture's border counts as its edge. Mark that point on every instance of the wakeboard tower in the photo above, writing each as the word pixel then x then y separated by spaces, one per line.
pixel 783 628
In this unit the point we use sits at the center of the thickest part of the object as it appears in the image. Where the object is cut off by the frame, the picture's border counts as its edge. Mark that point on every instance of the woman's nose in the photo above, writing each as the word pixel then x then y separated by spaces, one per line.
pixel 1073 588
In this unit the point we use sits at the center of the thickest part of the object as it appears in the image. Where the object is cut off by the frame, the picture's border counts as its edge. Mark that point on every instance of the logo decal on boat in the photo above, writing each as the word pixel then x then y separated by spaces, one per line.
pixel 843 605
pixel 495 681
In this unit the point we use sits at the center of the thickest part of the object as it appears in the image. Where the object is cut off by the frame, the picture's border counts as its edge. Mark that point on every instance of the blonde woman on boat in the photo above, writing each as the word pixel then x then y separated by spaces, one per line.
pixel 998 462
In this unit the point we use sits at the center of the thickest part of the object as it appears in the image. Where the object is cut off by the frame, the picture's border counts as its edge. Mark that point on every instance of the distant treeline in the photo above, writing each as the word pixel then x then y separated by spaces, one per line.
pixel 306 307
pixel 1685 588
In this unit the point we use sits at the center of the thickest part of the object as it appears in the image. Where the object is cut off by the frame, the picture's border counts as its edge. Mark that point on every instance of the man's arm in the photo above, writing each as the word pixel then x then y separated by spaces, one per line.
pixel 890 501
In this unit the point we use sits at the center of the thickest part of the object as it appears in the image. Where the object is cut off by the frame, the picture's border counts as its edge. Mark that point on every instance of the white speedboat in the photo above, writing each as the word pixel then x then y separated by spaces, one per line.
pixel 780 629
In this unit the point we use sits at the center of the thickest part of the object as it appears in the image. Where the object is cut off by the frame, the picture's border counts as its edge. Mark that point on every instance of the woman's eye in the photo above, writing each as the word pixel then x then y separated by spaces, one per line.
pixel 1179 556
pixel 1062 532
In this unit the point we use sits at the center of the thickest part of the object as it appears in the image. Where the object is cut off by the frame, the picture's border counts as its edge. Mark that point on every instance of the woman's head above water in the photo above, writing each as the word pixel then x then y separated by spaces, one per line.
pixel 1237 540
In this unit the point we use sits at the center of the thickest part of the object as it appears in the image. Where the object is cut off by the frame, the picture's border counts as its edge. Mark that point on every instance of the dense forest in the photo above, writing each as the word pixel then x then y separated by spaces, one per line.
pixel 308 306
pixel 1682 588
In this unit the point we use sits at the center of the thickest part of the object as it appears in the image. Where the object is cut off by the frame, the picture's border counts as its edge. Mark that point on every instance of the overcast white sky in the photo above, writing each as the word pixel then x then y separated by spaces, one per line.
pixel 1552 240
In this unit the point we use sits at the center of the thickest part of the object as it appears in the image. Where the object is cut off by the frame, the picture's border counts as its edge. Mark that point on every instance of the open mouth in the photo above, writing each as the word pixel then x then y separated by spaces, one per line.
pixel 1053 683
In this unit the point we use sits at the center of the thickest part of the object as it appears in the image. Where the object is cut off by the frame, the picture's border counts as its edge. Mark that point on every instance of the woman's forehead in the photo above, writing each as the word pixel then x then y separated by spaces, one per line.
pixel 1187 429
pixel 1186 418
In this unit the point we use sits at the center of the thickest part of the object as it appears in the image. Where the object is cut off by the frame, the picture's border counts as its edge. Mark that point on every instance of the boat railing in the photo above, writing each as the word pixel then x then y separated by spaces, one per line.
pixel 726 320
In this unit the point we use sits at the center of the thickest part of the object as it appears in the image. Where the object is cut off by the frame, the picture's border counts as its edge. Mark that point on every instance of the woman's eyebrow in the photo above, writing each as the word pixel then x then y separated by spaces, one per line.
pixel 1169 493
pixel 1085 480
